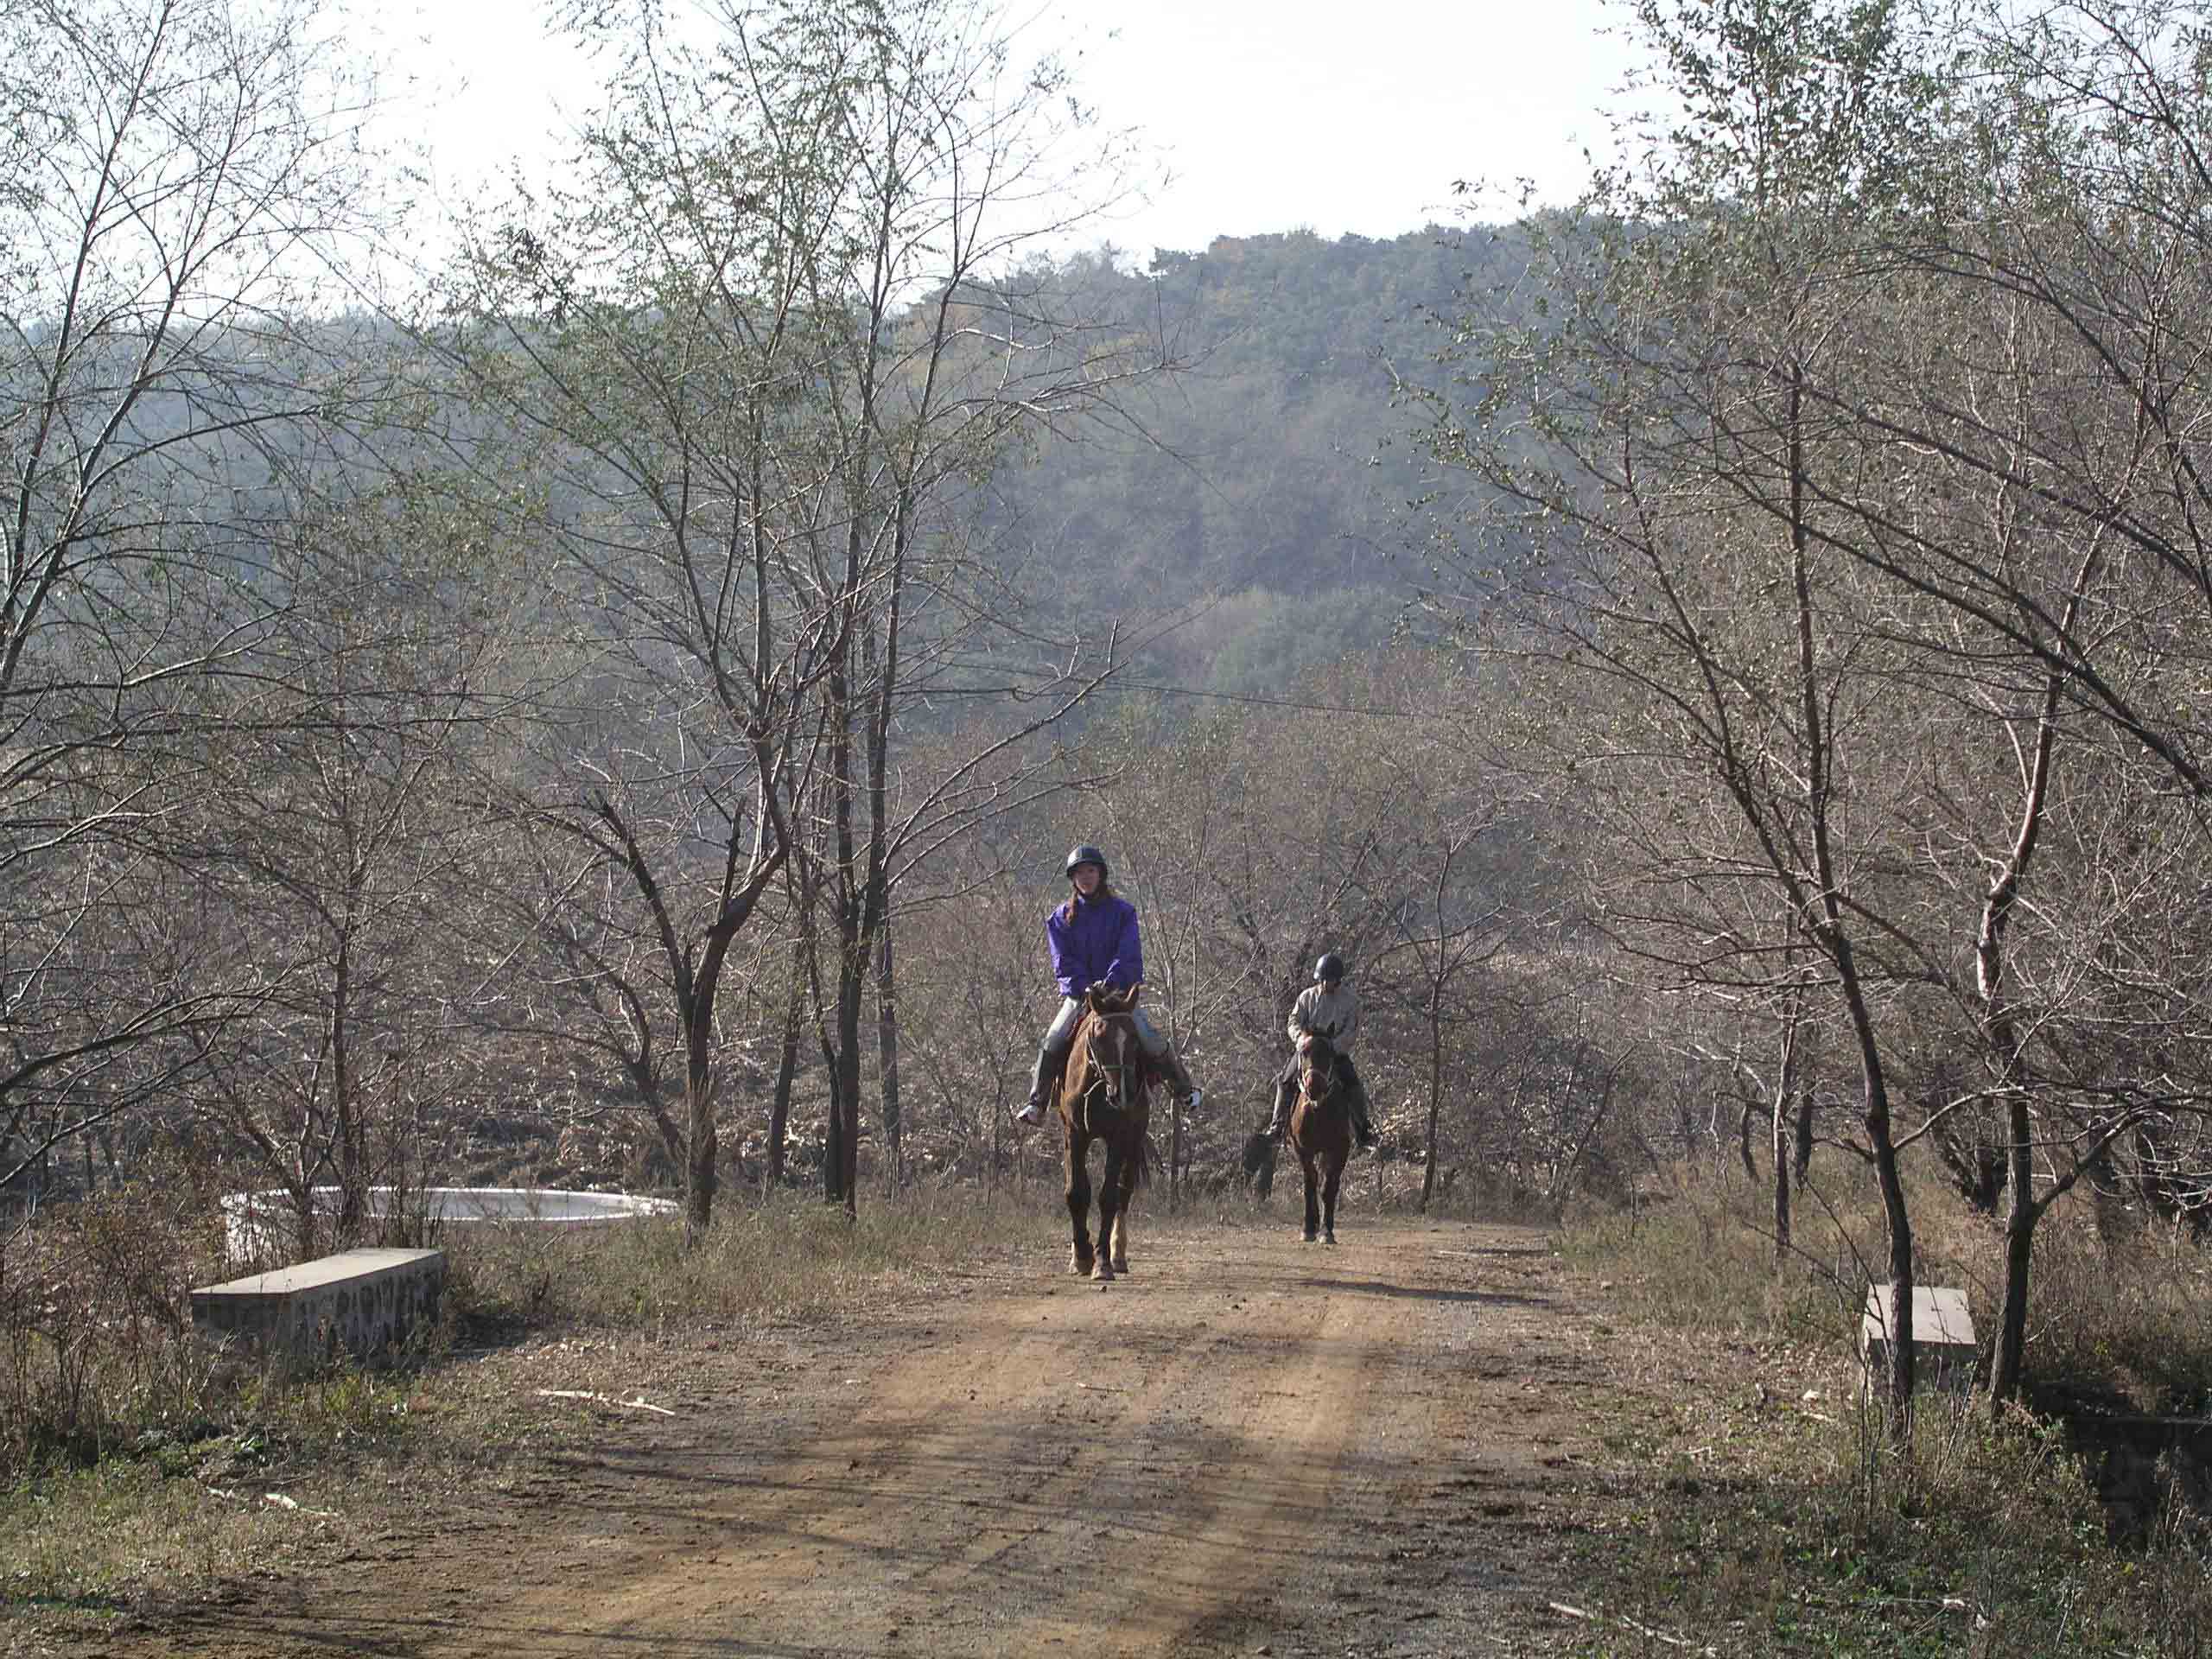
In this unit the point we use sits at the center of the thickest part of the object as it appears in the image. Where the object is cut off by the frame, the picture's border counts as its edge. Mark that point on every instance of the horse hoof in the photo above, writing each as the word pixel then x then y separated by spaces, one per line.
pixel 1102 1274
pixel 1310 1237
pixel 1079 1266
pixel 1330 1238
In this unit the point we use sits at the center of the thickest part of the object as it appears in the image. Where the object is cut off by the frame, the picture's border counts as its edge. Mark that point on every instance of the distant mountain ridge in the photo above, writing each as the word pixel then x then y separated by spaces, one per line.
pixel 1277 474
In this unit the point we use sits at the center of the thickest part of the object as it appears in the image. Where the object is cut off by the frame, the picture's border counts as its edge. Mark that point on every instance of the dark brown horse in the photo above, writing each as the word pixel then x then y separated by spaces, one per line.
pixel 1103 1096
pixel 1320 1133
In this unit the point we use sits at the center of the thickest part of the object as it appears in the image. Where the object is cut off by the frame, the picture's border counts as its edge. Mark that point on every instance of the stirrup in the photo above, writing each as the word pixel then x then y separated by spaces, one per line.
pixel 1033 1114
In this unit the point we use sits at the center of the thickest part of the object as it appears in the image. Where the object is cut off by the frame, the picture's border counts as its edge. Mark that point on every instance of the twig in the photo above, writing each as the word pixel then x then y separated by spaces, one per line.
pixel 1630 1624
pixel 602 1399
pixel 1102 1387
pixel 284 1503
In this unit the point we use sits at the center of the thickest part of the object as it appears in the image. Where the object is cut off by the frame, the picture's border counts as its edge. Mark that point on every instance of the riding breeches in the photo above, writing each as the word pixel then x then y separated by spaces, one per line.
pixel 1052 1054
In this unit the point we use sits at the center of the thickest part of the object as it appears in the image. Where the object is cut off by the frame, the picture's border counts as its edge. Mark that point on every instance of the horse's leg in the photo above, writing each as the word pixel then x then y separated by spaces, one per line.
pixel 1079 1258
pixel 1109 1193
pixel 1313 1195
pixel 1329 1196
pixel 1130 1168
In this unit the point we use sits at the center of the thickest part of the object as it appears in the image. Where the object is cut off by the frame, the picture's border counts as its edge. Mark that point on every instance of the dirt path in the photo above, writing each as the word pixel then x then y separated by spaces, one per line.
pixel 1248 1445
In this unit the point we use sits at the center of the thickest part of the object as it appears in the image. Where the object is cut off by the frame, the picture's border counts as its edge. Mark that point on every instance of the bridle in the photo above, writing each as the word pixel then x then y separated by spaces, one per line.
pixel 1316 1078
pixel 1117 1077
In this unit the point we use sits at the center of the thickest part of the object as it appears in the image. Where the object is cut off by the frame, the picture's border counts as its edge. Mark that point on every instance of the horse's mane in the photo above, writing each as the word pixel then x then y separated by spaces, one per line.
pixel 1108 1001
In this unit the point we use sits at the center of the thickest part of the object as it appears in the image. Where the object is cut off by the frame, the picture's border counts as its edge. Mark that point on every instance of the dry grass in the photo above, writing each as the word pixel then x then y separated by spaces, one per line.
pixel 138 1472
pixel 1781 1515
pixel 1773 1513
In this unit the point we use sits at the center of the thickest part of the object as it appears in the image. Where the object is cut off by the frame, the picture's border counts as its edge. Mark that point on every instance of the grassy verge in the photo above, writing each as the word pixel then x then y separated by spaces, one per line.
pixel 1773 1511
pixel 135 1473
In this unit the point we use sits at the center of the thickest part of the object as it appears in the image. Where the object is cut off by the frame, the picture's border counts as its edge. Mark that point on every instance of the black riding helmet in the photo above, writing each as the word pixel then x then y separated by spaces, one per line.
pixel 1086 855
pixel 1331 967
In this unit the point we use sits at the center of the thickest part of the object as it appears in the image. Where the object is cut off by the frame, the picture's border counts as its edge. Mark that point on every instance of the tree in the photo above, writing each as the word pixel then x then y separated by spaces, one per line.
pixel 769 337
pixel 1876 514
pixel 1650 448
pixel 337 825
pixel 178 183
pixel 1445 921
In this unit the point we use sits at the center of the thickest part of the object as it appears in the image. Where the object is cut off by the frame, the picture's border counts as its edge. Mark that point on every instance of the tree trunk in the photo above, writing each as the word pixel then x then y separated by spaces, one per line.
pixel 1781 1149
pixel 2008 1353
pixel 703 1137
pixel 779 1108
pixel 886 1039
pixel 349 1149
pixel 1900 1223
pixel 1786 1090
pixel 1835 939
pixel 1435 1096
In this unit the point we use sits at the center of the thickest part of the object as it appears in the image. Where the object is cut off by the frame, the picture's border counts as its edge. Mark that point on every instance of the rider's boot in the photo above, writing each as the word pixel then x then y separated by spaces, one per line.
pixel 1179 1079
pixel 1280 1122
pixel 1042 1076
pixel 1166 1065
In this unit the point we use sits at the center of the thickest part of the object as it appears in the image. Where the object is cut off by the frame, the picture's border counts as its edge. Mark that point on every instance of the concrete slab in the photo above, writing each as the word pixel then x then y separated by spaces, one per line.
pixel 356 1302
pixel 263 1223
pixel 1944 1350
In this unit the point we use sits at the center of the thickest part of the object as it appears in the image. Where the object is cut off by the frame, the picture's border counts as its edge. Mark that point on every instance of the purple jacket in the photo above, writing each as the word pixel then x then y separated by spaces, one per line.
pixel 1099 946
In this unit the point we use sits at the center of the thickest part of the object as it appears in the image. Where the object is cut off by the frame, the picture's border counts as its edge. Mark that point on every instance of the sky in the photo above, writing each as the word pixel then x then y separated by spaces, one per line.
pixel 1267 115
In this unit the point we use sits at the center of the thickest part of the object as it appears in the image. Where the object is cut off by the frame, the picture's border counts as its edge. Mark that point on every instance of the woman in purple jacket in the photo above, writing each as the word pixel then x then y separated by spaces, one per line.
pixel 1094 940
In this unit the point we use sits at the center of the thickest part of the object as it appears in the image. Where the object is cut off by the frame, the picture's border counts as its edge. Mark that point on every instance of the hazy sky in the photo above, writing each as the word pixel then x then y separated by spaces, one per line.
pixel 1342 116
pixel 1270 114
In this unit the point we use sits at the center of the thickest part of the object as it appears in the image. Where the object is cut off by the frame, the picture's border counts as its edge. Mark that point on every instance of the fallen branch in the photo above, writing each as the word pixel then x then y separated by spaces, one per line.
pixel 602 1399
pixel 284 1503
pixel 1630 1624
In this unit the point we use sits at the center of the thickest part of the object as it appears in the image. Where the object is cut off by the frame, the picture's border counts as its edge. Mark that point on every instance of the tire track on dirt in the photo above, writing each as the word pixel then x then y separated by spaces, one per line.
pixel 1211 1452
pixel 982 1482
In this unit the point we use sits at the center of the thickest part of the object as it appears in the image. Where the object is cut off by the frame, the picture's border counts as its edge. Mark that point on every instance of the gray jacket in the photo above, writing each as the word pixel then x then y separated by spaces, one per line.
pixel 1334 1015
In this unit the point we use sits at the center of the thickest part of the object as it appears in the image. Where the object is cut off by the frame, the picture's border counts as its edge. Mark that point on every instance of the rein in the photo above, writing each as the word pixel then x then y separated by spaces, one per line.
pixel 1110 1080
pixel 1319 1082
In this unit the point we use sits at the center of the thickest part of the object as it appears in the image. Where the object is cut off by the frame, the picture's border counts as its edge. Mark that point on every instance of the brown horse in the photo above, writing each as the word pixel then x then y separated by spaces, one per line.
pixel 1320 1133
pixel 1103 1096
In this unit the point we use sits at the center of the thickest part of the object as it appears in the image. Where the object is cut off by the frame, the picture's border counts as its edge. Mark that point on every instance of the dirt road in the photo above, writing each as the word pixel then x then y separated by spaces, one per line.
pixel 1249 1446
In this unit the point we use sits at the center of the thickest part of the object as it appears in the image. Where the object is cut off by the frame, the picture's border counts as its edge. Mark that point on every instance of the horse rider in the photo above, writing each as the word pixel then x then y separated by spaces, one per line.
pixel 1326 1009
pixel 1094 941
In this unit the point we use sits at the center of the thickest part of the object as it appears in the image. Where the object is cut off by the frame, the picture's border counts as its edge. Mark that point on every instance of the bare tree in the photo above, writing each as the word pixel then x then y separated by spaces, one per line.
pixel 335 820
pixel 178 181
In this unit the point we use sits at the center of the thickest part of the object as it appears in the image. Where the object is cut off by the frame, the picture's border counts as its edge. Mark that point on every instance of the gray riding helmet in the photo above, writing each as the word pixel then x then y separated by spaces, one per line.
pixel 1332 966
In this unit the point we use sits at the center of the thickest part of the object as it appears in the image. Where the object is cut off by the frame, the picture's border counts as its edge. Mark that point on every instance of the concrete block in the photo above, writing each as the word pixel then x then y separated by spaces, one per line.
pixel 265 1223
pixel 357 1302
pixel 1944 1348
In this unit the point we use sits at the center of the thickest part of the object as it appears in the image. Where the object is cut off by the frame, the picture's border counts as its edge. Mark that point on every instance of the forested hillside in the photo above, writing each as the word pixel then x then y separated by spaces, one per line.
pixel 1267 494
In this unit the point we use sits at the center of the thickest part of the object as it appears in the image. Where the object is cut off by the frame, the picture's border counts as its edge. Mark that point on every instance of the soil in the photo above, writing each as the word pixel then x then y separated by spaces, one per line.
pixel 1249 1445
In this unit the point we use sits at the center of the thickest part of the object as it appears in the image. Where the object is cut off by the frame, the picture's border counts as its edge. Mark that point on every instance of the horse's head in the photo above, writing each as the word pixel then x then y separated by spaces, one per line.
pixel 1109 1057
pixel 1316 1070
